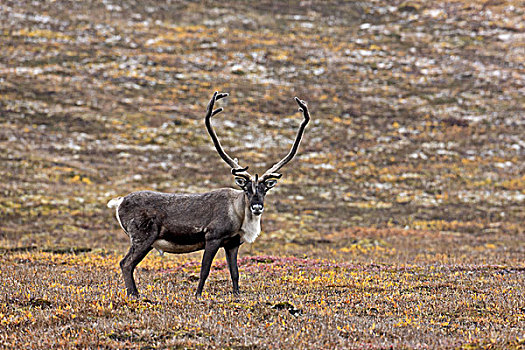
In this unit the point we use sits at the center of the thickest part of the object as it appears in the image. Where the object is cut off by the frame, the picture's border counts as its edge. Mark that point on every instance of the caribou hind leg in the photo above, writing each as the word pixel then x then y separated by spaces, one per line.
pixel 134 256
pixel 142 239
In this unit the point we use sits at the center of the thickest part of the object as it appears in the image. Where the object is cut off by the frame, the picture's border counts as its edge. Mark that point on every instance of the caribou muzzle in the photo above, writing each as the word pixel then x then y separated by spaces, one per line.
pixel 256 209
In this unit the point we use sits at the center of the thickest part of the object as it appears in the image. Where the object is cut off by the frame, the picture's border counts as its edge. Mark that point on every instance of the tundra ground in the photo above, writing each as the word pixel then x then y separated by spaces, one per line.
pixel 399 224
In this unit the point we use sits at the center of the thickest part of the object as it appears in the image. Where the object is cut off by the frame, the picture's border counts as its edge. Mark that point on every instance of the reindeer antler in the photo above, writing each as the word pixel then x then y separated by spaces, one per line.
pixel 272 172
pixel 210 112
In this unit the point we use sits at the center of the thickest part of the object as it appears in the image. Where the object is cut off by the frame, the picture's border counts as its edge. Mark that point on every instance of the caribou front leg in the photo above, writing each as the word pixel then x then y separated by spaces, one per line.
pixel 210 249
pixel 231 251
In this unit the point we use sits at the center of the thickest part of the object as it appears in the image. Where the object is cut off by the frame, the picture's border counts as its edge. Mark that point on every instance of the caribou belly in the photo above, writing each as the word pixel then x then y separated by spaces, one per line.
pixel 166 246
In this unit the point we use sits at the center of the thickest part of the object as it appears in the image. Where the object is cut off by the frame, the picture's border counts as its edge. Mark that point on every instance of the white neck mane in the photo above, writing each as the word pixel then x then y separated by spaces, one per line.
pixel 251 227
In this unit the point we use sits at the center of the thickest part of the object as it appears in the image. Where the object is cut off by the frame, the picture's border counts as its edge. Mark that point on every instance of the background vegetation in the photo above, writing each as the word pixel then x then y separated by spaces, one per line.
pixel 400 223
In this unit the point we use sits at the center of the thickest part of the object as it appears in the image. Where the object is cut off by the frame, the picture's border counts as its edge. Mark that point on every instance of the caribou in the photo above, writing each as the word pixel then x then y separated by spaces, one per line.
pixel 184 223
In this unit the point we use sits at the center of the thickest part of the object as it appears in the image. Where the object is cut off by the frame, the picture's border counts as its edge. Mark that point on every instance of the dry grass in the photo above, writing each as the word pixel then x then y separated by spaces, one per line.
pixel 386 290
pixel 77 300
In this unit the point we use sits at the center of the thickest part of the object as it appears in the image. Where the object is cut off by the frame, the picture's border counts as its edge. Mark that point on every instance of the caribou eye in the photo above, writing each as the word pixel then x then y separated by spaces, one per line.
pixel 240 181
pixel 270 183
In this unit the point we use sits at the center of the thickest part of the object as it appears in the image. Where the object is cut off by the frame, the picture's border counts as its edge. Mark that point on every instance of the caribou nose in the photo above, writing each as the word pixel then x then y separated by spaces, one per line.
pixel 257 209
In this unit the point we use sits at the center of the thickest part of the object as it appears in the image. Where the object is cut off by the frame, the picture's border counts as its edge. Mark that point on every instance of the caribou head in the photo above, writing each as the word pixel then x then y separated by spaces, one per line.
pixel 254 187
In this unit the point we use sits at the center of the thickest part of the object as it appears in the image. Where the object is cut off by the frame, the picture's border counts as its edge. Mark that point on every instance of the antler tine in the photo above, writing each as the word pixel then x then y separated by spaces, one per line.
pixel 272 172
pixel 210 112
